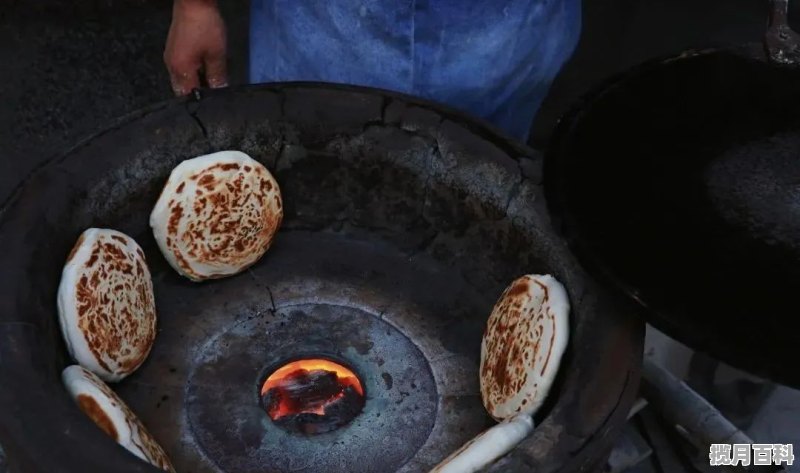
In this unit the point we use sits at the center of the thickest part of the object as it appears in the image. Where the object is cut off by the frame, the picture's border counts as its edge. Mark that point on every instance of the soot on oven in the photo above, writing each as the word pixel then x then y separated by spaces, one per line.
pixel 312 395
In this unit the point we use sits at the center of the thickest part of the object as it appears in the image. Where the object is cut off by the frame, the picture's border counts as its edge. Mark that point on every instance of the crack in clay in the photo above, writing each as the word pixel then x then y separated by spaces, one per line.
pixel 408 132
pixel 281 151
pixel 374 124
pixel 192 107
pixel 273 310
pixel 385 102
pixel 281 101
pixel 287 137
pixel 520 168
pixel 208 331
pixel 381 121
pixel 281 125
pixel 435 154
pixel 512 194
pixel 531 168
pixel 199 124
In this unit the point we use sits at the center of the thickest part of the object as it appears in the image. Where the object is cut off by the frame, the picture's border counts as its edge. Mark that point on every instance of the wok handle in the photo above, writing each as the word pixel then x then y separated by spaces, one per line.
pixel 782 45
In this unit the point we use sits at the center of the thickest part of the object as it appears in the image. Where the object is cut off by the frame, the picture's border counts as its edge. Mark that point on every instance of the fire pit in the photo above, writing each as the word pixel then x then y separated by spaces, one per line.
pixel 403 223
pixel 313 396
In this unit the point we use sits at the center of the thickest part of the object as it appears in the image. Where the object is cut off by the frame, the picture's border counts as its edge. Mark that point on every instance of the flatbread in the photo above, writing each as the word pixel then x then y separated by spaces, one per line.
pixel 106 306
pixel 525 337
pixel 113 416
pixel 217 215
pixel 487 446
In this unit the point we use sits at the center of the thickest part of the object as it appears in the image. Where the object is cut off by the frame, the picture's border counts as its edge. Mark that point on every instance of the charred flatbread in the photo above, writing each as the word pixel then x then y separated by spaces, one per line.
pixel 217 215
pixel 106 306
pixel 113 416
pixel 525 337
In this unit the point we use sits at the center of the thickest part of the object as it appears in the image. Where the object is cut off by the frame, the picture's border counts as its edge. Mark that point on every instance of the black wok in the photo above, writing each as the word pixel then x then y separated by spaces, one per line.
pixel 678 182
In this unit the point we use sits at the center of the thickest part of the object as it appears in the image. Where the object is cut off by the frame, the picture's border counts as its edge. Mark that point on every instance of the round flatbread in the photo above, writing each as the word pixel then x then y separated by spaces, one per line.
pixel 525 337
pixel 217 215
pixel 113 416
pixel 106 306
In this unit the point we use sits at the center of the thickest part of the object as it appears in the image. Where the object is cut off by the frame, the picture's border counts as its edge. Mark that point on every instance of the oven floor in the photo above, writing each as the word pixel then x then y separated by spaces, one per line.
pixel 409 326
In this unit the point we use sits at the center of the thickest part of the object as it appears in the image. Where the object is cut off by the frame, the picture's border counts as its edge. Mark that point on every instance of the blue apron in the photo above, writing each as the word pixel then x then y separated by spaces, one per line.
pixel 494 59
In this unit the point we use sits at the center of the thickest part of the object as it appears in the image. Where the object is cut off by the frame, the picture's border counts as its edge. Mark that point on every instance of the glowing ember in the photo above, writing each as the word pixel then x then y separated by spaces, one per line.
pixel 312 396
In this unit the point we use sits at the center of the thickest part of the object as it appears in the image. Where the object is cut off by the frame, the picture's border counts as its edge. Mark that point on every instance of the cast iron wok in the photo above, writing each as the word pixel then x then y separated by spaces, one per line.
pixel 679 183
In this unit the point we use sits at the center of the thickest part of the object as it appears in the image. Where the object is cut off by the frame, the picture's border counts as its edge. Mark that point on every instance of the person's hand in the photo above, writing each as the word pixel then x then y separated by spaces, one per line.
pixel 196 42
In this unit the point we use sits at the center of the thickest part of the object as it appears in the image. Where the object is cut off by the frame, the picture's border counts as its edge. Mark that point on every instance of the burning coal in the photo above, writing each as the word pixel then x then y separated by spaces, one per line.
pixel 312 396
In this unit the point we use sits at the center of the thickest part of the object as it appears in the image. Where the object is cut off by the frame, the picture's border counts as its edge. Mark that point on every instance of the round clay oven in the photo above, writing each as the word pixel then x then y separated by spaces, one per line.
pixel 403 223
